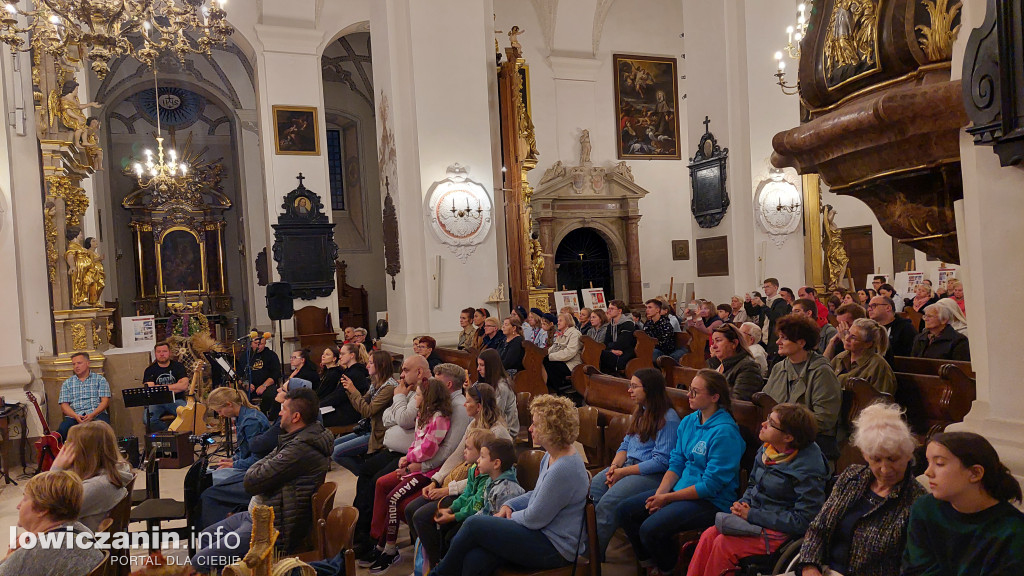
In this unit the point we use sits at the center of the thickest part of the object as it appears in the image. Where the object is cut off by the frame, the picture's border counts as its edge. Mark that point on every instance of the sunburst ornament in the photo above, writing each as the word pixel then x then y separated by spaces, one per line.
pixel 164 178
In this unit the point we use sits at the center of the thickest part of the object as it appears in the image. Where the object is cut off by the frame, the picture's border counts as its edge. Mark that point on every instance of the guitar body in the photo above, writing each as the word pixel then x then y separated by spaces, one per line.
pixel 49 444
pixel 193 412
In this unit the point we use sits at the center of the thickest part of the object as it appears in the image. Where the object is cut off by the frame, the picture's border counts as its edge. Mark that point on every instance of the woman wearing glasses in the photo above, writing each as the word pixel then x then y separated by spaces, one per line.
pixel 702 477
pixel 864 357
pixel 786 490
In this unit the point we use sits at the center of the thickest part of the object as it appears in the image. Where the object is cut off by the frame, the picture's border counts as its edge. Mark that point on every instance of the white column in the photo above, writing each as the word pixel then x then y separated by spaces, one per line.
pixel 439 99
pixel 988 229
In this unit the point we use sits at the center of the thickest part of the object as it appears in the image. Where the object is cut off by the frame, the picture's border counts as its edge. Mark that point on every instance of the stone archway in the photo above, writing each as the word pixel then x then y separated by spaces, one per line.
pixel 583 260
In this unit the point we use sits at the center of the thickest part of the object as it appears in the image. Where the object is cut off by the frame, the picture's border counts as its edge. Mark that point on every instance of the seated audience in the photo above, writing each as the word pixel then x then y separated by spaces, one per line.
pixel 425 346
pixel 787 295
pixel 301 367
pixel 330 373
pixel 285 479
pixel 827 331
pixel 939 340
pixel 642 458
pixel 770 309
pixel 51 502
pixel 706 321
pixel 228 493
pixel 805 377
pixel 620 345
pixel 889 292
pixel 809 293
pixel 511 349
pixel 491 371
pixel 264 372
pixel 91 452
pixel 957 294
pixel 968 525
pixel 785 492
pixel 923 298
pixel 833 304
pixel 433 420
pixel 572 313
pixel 563 355
pixel 451 513
pixel 359 337
pixel 731 357
pixel 861 529
pixel 958 320
pixel 84 396
pixel 864 357
pixel 451 479
pixel 702 477
pixel 863 297
pixel 165 372
pixel 352 365
pixel 541 528
pixel 845 315
pixel 493 337
pixel 468 332
pixel 533 331
pixel 583 321
pixel 850 299
pixel 349 333
pixel 479 316
pixel 658 327
pixel 668 312
pixel 351 449
pixel 598 326
pixel 639 316
pixel 725 313
pixel 548 325
pixel 752 335
pixel 739 315
pixel 901 333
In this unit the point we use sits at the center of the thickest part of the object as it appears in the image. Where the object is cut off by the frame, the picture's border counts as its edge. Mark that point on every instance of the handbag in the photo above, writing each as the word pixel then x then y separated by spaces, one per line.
pixel 362 427
pixel 730 524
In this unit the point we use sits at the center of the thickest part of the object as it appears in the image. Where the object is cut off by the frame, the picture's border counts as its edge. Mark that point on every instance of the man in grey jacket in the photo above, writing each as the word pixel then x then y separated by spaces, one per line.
pixel 286 479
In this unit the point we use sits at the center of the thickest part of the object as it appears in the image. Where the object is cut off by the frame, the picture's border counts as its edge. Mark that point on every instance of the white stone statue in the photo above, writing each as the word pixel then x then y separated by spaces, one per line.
pixel 623 169
pixel 557 170
pixel 585 147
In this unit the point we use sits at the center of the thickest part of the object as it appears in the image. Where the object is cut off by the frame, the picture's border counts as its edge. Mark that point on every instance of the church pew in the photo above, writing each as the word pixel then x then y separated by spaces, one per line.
pixel 695 357
pixel 580 377
pixel 676 376
pixel 591 354
pixel 858 395
pixel 465 358
pixel 928 366
pixel 531 377
pixel 914 316
pixel 644 349
pixel 610 395
pixel 934 402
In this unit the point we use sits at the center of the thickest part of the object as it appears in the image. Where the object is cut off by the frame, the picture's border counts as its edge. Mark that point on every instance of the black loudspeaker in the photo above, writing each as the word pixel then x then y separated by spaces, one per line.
pixel 129 446
pixel 279 301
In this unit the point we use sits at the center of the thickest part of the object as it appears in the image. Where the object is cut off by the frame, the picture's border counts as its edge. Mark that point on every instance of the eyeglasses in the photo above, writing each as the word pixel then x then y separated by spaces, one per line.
pixel 876 305
pixel 769 422
pixel 635 386
pixel 851 336
pixel 694 392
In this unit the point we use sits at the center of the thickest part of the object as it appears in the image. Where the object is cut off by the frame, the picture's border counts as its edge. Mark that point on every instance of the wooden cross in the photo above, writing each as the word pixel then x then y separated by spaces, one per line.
pixel 707 122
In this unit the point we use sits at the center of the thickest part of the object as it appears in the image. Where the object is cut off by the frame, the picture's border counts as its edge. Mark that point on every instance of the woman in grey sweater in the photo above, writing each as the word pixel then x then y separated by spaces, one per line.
pixel 541 529
pixel 91 452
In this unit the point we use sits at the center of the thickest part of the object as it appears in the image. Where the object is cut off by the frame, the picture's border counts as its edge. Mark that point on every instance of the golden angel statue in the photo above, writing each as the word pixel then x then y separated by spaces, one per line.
pixel 88 139
pixel 68 108
pixel 536 263
pixel 836 260
pixel 85 267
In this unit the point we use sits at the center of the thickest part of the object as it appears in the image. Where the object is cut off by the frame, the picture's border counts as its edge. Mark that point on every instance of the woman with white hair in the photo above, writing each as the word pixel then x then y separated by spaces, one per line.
pixel 939 340
pixel 752 332
pixel 862 528
pixel 958 321
pixel 866 342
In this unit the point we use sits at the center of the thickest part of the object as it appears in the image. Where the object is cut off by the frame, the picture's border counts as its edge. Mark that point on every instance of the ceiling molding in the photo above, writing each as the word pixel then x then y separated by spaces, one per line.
pixel 600 16
pixel 547 11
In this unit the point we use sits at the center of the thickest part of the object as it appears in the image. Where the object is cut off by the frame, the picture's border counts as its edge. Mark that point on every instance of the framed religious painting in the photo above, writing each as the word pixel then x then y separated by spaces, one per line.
pixel 296 130
pixel 646 107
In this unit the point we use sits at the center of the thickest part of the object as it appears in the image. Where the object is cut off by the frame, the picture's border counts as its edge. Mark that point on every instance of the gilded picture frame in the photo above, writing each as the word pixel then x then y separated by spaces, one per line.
pixel 296 130
pixel 177 269
pixel 646 107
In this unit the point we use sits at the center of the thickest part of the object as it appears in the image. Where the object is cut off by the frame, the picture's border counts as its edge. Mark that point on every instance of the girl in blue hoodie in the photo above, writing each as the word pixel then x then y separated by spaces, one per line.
pixel 702 477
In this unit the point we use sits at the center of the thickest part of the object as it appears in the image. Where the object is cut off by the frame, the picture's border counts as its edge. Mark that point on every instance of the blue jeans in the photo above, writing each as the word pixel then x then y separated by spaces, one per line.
pixel 653 535
pixel 485 543
pixel 221 500
pixel 348 449
pixel 676 354
pixel 219 545
pixel 155 412
pixel 67 423
pixel 607 501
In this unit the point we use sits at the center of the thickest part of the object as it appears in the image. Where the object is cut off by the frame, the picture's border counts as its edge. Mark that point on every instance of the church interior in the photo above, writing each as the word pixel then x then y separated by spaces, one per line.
pixel 268 190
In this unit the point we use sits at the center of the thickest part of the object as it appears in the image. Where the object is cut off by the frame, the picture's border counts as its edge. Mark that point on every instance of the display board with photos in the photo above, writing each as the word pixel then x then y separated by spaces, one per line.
pixel 568 298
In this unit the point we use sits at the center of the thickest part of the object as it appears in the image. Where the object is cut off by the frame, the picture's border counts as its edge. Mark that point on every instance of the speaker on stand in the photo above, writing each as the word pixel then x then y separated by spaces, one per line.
pixel 279 307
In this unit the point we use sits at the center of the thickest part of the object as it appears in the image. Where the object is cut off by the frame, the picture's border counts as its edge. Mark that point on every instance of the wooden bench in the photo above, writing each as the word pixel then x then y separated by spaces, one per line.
pixel 644 350
pixel 465 358
pixel 591 354
pixel 914 316
pixel 610 395
pixel 676 376
pixel 531 377
pixel 858 395
pixel 695 357
pixel 934 402
pixel 929 366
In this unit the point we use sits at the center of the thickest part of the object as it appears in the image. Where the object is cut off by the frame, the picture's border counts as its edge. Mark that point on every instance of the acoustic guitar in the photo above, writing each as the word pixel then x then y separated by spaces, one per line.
pixel 49 444
pixel 193 412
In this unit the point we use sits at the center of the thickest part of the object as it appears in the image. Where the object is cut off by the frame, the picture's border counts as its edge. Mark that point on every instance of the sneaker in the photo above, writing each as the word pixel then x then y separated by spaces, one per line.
pixel 369 558
pixel 384 562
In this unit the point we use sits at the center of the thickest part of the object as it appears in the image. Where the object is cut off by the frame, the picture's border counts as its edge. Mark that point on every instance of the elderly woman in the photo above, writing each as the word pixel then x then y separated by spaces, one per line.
pixel 752 336
pixel 511 349
pixel 52 502
pixel 805 377
pixel 91 452
pixel 958 320
pixel 493 336
pixel 702 477
pixel 957 294
pixel 739 315
pixel 642 458
pixel 540 529
pixel 730 355
pixel 563 354
pixel 864 357
pixel 861 529
pixel 939 340
pixel 598 326
pixel 968 525
pixel 786 490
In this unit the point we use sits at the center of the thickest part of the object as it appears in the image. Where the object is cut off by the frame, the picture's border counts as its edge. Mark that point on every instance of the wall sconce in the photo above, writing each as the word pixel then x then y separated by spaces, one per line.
pixel 795 35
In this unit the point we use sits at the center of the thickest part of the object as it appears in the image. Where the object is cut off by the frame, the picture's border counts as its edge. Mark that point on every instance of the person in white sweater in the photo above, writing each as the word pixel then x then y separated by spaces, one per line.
pixel 563 355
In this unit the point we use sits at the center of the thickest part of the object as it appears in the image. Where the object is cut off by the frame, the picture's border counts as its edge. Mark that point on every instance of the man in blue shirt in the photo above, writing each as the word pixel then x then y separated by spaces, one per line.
pixel 84 397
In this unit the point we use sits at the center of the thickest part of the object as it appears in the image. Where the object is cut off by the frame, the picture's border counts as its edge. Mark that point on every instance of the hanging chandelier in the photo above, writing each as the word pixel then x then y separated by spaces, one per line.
pixel 102 27
pixel 165 179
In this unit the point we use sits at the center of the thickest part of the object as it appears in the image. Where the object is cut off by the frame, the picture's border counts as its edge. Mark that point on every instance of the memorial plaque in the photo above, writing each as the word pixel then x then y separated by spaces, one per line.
pixel 712 256
pixel 680 249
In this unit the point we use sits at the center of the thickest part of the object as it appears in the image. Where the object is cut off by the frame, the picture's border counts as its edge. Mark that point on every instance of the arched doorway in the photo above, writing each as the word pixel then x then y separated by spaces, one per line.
pixel 583 260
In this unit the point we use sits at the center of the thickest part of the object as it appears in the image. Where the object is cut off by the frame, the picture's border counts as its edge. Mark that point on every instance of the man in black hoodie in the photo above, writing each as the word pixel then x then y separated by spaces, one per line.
pixel 286 479
pixel 621 343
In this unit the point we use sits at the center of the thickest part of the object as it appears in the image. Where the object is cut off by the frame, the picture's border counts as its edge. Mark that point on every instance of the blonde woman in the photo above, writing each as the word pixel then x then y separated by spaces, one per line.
pixel 563 354
pixel 91 452
pixel 866 342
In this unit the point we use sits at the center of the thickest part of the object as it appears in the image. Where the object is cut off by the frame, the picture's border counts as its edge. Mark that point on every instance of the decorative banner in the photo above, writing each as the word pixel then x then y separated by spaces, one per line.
pixel 568 298
pixel 595 298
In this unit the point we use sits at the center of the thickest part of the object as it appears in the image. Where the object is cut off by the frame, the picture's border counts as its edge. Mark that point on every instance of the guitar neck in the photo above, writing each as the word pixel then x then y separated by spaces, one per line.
pixel 39 412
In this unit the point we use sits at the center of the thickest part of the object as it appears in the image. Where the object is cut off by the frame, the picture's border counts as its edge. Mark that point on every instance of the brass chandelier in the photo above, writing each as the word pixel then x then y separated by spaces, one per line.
pixel 164 179
pixel 102 27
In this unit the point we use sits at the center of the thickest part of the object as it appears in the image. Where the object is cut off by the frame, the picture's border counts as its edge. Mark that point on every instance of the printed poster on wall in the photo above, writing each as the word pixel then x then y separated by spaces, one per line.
pixel 906 281
pixel 945 274
pixel 595 298
pixel 138 332
pixel 568 298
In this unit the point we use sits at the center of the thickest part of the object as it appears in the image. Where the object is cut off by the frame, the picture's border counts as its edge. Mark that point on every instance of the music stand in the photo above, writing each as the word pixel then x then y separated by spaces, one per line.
pixel 147 396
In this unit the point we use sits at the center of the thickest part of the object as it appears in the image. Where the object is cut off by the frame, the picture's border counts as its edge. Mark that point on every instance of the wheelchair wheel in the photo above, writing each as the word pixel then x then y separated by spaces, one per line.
pixel 787 556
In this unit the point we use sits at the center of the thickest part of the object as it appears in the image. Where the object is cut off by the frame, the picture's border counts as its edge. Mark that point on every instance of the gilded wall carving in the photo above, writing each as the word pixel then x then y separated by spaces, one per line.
pixel 78 340
pixel 937 38
pixel 75 200
pixel 851 40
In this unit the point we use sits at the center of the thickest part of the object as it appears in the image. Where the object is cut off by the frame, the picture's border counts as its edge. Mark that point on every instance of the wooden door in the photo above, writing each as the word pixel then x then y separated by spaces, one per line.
pixel 860 250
